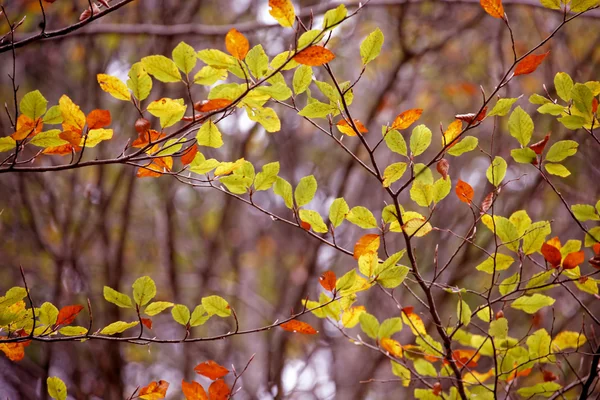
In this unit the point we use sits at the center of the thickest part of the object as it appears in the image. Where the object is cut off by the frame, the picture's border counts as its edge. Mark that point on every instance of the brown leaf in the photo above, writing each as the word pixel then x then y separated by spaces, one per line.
pixel 573 259
pixel 189 155
pixel 493 8
pixel 368 243
pixel 538 147
pixel 67 314
pixel 442 167
pixel 237 44
pixel 97 119
pixel 142 125
pixel 193 391
pixel 530 63
pixel 464 192
pixel 88 12
pixel 486 203
pixel 298 327
pixel 314 56
pixel 211 370
pixel 551 254
pixel 211 105
pixel 549 376
pixel 437 389
pixel 328 280
pixel 155 390
pixel 471 117
pixel 147 322
pixel 407 118
pixel 218 390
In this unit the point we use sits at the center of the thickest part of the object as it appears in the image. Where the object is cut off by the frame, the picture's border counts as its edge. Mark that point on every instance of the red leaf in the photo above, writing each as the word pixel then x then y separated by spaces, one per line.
pixel 551 254
pixel 193 391
pixel 147 322
pixel 67 314
pixel 314 56
pixel 298 327
pixel 327 280
pixel 98 119
pixel 305 225
pixel 530 63
pixel 211 370
pixel 211 105
pixel 573 259
pixel 189 155
pixel 538 147
pixel 464 191
pixel 218 390
pixel 549 376
pixel 596 248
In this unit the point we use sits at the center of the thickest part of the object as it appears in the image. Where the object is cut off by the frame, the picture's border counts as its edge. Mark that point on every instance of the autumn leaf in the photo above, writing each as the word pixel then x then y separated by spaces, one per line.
pixel 144 138
pixel 328 280
pixel 551 254
pixel 211 370
pixel 67 314
pixel 451 133
pixel 189 155
pixel 147 322
pixel 211 105
pixel 573 259
pixel 156 168
pixel 344 127
pixel 530 63
pixel 283 12
pixel 367 244
pixel 237 44
pixel 193 391
pixel 538 147
pixel 218 390
pixel 314 56
pixel 97 119
pixel 471 117
pixel 14 351
pixel 392 347
pixel 493 8
pixel 27 128
pixel 464 192
pixel 61 150
pixel 465 358
pixel 442 167
pixel 298 327
pixel 407 118
pixel 155 390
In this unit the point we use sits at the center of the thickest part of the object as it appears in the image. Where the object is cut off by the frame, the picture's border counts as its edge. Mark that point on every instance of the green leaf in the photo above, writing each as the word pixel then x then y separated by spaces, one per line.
pixel 563 84
pixel 537 99
pixel 402 372
pixel 585 212
pixel 393 172
pixel 168 110
pixel 162 68
pixel 310 37
pixel 538 279
pixel 392 276
pixel 389 326
pixel 463 312
pixel 467 144
pixel 524 155
pixel 520 126
pixel 552 4
pixel 144 290
pixel 391 261
pixel 33 105
pixel 216 305
pixel 572 122
pixel 369 325
pixel 157 307
pixel 484 314
pixel 216 58
pixel 199 316
pixel 56 388
pixel 496 171
pixel 284 189
pixel 362 216
pixel 421 193
pixel 181 314
pixel 139 81
pixel 305 191
pixel 266 178
pixel 503 262
pixel 521 221
pixel 499 328
pixel 317 110
pixel 235 183
pixel 209 135
pixel 48 314
pixel 120 299
pixel 557 169
pixel 314 219
pixel 551 108
pixel 266 116
pixel 338 211
pixel 592 237
pixel 284 58
pixel 441 189
pixel 561 150
pixel 184 56
pixel 73 331
pixel 53 116
pixel 208 75
pixel 582 98
pixel 539 346
pixel 424 368
pixel 49 138
pixel 395 142
pixel 117 327
pixel 532 304
pixel 371 46
pixel 509 284
pixel 420 139
pixel 258 61
pixel 302 78
pixel 334 17
pixel 545 389
pixel 502 107
pixel 535 236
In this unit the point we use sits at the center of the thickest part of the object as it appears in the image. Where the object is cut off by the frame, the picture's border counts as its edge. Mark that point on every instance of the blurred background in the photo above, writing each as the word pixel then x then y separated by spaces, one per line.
pixel 75 231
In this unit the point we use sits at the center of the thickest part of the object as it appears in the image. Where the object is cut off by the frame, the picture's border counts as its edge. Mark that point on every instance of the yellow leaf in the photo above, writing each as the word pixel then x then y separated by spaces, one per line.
pixel 350 316
pixel 114 86
pixel 96 136
pixel 283 12
pixel 392 347
pixel 407 118
pixel 414 322
pixel 73 117
pixel 347 129
pixel 476 378
pixel 454 129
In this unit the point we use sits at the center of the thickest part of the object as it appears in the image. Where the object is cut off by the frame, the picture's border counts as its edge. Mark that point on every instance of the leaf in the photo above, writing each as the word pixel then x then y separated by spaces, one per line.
pixel 338 211
pixel 503 106
pixel 298 327
pixel 369 325
pixel 46 139
pixel 284 189
pixel 117 327
pixel 420 139
pixel 402 372
pixel 529 63
pixel 499 328
pixel 144 290
pixel 545 389
pixel 53 116
pixel 314 219
pixel 193 390
pixel 305 191
pixel 469 143
pixel 147 322
pixel 582 98
pixel 464 192
pixel 496 171
pixel 118 298
pixel 211 105
pixel 33 104
pixel 181 314
pixel 561 150
pixel 520 126
pixel 583 5
pixel 168 110
pixel 73 118
pixel 211 370
pixel 283 12
pixel 67 314
pixel 392 347
pixel 463 312
pixel 532 304
pixel 114 86
pixel 552 4
pixel 209 135
pixel 328 280
pixel 406 118
pixel 347 129
pixel 210 75
pixel 393 172
pixel 574 259
pixel 371 47
pixel 185 57
pixel 14 351
pixel 139 81
pixel 535 236
pixel 395 142
pixel 162 68
pixel 567 340
pixel 366 244
pixel 317 110
pixel 551 254
pixel 314 56
pixel 218 390
pixel 199 316
pixel 451 133
pixel 267 117
pixel 493 8
pixel 362 216
pixel 500 263
pixel 509 284
pixel 585 212
pixel 56 388
pixel 216 305
pixel 154 391
pixel 266 178
pixel 96 136
pixel 557 169
pixel 302 79
pixel 524 155
pixel 334 17
pixel 98 119
pixel 236 43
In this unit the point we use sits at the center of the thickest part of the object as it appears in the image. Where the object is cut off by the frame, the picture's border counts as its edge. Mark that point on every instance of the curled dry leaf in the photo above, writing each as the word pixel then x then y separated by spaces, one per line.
pixel 88 12
pixel 464 192
pixel 442 167
pixel 142 125
pixel 328 280
pixel 530 63
pixel 487 203
pixel 314 56
pixel 298 327
pixel 472 117
pixel 211 370
pixel 237 44
pixel 437 389
pixel 538 147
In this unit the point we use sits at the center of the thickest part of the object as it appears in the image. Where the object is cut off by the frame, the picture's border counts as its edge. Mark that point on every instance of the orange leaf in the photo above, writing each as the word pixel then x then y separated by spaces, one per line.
pixel 211 370
pixel 347 129
pixel 596 248
pixel 493 7
pixel 298 327
pixel 193 391
pixel 211 105
pixel 218 390
pixel 155 390
pixel 530 63
pixel 407 118
pixel 464 191
pixel 144 138
pixel 14 351
pixel 98 119
pixel 67 314
pixel 367 244
pixel 305 225
pixel 392 347
pixel 314 56
pixel 147 322
pixel 551 254
pixel 27 128
pixel 156 168
pixel 237 44
pixel 538 147
pixel 73 137
pixel 189 155
pixel 594 105
pixel 327 280
pixel 437 389
pixel 573 259
pixel 465 357
pixel 61 150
